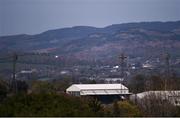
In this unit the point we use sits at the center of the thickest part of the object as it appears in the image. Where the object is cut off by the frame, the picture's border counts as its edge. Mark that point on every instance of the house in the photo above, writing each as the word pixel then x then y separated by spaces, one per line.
pixel 104 92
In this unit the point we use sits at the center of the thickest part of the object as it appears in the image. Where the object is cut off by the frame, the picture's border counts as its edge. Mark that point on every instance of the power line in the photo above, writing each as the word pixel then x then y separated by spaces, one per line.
pixel 15 56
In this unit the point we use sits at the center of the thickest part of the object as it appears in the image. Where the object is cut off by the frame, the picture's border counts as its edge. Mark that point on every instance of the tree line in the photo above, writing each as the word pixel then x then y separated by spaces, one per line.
pixel 43 98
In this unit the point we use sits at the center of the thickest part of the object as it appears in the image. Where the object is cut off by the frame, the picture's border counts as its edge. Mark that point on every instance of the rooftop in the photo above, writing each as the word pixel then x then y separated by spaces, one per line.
pixel 98 89
pixel 97 86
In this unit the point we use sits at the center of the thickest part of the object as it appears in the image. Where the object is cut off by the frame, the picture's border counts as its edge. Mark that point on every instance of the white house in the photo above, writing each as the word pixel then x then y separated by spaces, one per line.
pixel 172 96
pixel 97 89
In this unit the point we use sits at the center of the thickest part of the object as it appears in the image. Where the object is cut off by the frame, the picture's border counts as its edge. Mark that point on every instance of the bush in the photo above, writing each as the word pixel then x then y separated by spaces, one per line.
pixel 44 105
pixel 125 109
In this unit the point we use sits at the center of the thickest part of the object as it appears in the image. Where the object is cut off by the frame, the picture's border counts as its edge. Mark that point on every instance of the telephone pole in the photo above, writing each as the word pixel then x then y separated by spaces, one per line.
pixel 122 58
pixel 167 63
pixel 14 58
pixel 14 84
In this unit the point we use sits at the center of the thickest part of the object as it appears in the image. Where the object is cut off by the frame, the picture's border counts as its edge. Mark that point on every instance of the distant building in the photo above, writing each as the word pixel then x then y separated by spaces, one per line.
pixel 147 65
pixel 115 67
pixel 104 92
pixel 172 96
pixel 64 72
pixel 113 80
pixel 25 74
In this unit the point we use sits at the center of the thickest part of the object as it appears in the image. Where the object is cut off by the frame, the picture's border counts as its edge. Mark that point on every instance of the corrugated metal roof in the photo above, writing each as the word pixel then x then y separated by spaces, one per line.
pixel 96 87
pixel 104 92
pixel 160 93
pixel 172 96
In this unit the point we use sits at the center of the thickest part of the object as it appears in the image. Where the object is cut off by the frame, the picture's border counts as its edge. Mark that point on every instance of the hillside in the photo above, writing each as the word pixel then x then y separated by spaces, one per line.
pixel 142 39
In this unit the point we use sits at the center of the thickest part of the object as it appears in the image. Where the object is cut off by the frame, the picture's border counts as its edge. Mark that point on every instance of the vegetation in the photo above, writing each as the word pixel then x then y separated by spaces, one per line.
pixel 154 105
pixel 3 89
pixel 61 105
pixel 43 98
pixel 141 83
pixel 44 105
pixel 126 108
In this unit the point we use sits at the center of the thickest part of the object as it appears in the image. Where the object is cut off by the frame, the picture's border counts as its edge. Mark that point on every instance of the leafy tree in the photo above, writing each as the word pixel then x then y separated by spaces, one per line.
pixel 3 89
pixel 22 86
pixel 156 83
pixel 44 104
pixel 125 109
pixel 42 87
pixel 92 82
pixel 95 106
pixel 177 111
pixel 61 84
pixel 137 84
pixel 116 110
pixel 128 109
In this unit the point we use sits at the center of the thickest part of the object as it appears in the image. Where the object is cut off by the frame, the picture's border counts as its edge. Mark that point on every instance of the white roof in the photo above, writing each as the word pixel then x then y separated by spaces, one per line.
pixel 159 93
pixel 98 89
pixel 77 87
pixel 172 96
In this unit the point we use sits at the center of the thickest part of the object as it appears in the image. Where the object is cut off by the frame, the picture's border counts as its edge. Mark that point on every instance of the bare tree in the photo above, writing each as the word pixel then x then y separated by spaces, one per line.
pixel 156 104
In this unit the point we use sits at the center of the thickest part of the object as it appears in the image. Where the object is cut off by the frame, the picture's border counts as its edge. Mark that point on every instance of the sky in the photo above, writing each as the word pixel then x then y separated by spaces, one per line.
pixel 36 16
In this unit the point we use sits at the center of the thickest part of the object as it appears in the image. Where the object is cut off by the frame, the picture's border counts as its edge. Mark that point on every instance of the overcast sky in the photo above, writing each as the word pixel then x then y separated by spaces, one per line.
pixel 36 16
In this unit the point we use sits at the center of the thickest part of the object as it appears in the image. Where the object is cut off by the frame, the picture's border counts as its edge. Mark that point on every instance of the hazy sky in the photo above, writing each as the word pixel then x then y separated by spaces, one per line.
pixel 36 16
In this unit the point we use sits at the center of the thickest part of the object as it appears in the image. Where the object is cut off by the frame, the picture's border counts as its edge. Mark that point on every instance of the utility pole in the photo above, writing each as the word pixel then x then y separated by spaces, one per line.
pixel 14 84
pixel 167 59
pixel 122 58
pixel 167 62
pixel 14 58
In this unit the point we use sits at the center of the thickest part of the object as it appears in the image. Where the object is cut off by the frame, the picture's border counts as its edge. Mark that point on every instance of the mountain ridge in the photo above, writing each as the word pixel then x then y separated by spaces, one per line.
pixel 178 21
pixel 88 43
